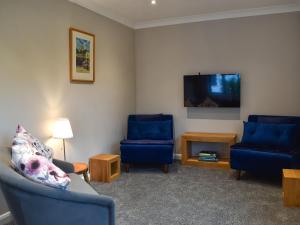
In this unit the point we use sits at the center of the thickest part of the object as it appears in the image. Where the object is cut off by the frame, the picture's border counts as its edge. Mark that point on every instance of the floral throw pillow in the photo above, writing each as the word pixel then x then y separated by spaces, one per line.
pixel 33 160
pixel 24 141
pixel 39 169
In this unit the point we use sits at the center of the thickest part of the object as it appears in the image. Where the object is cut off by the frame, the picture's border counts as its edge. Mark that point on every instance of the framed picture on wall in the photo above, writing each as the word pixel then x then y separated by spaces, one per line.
pixel 82 56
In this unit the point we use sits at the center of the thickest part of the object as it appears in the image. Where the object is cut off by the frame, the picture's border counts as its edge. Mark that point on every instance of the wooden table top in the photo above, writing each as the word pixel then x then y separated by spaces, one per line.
pixel 205 134
pixel 80 167
pixel 290 173
pixel 105 157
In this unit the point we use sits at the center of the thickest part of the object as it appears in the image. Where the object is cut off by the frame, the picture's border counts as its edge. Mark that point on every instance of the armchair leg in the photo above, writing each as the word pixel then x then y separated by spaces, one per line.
pixel 238 174
pixel 127 168
pixel 165 168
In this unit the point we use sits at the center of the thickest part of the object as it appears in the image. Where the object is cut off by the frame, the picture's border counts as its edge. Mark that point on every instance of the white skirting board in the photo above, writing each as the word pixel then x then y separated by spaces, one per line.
pixel 177 156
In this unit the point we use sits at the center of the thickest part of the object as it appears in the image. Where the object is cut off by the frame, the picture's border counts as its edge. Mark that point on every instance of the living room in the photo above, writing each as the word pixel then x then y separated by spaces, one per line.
pixel 142 51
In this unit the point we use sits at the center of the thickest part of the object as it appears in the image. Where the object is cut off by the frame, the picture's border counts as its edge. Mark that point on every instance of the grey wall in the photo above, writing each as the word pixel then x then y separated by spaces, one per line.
pixel 34 72
pixel 264 49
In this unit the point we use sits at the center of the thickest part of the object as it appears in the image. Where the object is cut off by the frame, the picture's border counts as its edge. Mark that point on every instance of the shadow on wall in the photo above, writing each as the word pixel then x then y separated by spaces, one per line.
pixel 214 113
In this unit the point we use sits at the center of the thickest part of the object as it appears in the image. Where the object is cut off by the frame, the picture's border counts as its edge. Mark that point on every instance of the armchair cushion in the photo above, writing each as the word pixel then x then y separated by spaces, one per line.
pixel 151 130
pixel 281 135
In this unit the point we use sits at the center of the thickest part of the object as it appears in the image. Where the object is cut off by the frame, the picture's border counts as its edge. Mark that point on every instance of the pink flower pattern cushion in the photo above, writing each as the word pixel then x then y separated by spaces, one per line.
pixel 25 142
pixel 27 160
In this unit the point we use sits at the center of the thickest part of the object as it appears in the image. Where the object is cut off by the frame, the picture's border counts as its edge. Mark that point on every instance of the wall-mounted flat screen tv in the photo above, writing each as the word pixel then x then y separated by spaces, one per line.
pixel 213 90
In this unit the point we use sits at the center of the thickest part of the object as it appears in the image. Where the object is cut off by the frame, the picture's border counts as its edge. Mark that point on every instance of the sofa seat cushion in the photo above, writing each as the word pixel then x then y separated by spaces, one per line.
pixel 266 148
pixel 79 185
pixel 261 162
pixel 147 142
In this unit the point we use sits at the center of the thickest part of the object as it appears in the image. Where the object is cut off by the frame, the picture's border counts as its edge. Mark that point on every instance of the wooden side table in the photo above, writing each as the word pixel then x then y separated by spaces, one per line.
pixel 82 168
pixel 188 137
pixel 291 187
pixel 104 167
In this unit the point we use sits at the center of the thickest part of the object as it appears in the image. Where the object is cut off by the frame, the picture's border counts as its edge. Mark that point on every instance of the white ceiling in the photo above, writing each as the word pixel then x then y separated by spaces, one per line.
pixel 140 13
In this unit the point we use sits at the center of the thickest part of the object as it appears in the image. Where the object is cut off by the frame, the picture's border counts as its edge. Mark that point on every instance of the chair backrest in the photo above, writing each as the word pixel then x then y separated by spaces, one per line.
pixel 278 120
pixel 151 127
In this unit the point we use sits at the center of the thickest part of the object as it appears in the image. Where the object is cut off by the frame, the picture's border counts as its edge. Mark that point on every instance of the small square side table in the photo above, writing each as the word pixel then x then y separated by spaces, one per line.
pixel 291 187
pixel 104 167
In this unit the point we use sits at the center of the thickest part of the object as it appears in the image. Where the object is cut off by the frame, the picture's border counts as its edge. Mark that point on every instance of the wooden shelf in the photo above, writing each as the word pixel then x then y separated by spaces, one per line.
pixel 187 159
pixel 223 163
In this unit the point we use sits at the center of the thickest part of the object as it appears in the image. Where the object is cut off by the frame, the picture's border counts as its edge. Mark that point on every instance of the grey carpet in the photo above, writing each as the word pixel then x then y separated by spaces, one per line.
pixel 197 196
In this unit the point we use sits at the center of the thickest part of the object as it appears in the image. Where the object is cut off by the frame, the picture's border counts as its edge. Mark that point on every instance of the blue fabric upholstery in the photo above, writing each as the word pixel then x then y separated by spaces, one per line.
pixel 148 142
pixel 279 120
pixel 34 204
pixel 266 152
pixel 269 134
pixel 149 139
pixel 152 130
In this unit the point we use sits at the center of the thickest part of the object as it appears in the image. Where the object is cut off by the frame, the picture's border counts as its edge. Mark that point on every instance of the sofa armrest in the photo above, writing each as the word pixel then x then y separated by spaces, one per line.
pixel 69 208
pixel 63 165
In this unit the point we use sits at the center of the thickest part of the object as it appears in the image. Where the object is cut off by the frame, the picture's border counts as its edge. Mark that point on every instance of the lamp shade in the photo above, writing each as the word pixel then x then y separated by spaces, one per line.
pixel 62 129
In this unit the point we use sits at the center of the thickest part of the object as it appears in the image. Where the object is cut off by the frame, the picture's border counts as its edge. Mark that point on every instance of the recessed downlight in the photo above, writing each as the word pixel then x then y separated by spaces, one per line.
pixel 153 2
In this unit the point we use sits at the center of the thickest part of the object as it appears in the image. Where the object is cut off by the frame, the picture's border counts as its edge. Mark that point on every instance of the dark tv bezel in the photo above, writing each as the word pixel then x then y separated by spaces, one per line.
pixel 220 107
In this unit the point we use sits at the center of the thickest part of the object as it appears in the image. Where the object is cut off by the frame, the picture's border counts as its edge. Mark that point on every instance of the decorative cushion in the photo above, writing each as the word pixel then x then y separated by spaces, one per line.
pixel 33 160
pixel 25 142
pixel 39 169
pixel 282 135
pixel 151 130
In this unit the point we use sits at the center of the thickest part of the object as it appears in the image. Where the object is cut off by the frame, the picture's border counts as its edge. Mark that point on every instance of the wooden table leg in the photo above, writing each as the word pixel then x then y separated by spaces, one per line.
pixel 166 168
pixel 127 168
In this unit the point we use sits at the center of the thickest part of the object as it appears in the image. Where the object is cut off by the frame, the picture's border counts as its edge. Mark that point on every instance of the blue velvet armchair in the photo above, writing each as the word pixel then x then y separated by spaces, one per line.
pixel 150 140
pixel 31 203
pixel 269 144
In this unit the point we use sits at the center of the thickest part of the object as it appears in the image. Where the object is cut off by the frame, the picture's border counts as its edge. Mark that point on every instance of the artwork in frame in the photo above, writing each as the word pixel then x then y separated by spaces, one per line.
pixel 82 56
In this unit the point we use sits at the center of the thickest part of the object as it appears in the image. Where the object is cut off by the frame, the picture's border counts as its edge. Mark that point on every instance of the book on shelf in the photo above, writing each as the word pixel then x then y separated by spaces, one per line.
pixel 210 156
pixel 208 159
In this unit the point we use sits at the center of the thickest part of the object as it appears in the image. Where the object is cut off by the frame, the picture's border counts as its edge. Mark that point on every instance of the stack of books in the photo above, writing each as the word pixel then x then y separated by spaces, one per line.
pixel 208 156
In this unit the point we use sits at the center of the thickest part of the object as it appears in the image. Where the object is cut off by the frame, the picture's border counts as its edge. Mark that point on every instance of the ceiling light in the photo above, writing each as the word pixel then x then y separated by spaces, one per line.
pixel 153 2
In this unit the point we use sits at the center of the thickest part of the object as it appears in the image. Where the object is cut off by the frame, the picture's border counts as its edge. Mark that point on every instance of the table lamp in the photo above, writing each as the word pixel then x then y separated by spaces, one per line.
pixel 62 130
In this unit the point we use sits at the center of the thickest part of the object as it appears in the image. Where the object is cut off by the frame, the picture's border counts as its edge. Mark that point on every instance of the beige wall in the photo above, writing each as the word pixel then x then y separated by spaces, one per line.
pixel 34 84
pixel 264 49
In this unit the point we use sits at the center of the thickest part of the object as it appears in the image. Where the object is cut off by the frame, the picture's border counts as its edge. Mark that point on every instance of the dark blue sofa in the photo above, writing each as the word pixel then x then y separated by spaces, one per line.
pixel 149 140
pixel 269 144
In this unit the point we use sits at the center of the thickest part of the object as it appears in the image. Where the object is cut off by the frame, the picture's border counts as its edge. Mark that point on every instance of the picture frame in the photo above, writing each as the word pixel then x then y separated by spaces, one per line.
pixel 82 56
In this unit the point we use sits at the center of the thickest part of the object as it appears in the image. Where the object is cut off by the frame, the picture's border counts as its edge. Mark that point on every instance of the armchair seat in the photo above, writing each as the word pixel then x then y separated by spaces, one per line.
pixel 140 154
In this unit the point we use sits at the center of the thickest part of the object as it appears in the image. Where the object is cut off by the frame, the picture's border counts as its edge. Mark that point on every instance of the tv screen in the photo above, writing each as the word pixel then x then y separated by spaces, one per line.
pixel 213 90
